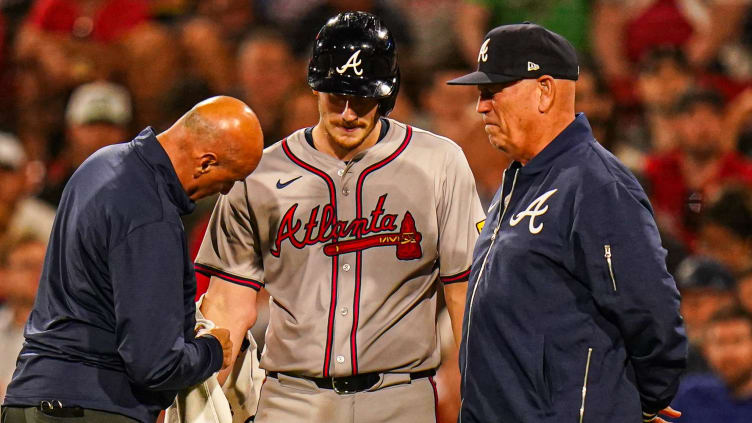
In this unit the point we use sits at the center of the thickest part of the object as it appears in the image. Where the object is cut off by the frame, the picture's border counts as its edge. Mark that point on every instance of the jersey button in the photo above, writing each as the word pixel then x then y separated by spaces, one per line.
pixel 340 359
pixel 345 191
pixel 343 311
pixel 341 172
pixel 346 267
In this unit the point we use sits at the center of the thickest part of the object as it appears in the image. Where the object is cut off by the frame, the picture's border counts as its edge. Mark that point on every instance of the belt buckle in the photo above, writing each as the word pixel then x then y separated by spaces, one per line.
pixel 345 389
pixel 48 406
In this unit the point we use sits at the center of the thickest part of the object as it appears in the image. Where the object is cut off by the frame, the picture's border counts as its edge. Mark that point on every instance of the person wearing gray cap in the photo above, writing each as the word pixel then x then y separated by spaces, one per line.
pixel 97 115
pixel 20 213
pixel 571 314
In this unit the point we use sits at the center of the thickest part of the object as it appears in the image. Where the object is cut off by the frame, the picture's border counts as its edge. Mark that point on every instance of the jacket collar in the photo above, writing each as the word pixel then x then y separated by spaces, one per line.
pixel 577 132
pixel 152 153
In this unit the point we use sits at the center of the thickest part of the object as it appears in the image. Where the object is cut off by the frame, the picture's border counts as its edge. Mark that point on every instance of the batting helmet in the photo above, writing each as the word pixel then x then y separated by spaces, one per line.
pixel 354 54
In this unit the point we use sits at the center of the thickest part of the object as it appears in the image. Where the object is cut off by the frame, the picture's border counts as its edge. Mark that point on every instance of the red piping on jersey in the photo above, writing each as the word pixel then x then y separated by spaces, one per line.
pixel 435 399
pixel 333 300
pixel 459 277
pixel 359 254
pixel 210 271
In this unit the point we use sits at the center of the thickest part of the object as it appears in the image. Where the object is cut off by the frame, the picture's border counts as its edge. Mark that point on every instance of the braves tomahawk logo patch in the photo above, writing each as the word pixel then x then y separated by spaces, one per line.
pixel 534 210
pixel 342 237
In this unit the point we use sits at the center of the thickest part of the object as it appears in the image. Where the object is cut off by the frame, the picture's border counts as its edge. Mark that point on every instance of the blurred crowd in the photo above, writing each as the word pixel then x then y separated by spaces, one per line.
pixel 666 85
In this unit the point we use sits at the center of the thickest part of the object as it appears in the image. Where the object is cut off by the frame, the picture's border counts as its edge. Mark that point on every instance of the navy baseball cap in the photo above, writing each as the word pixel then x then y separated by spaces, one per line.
pixel 522 51
pixel 702 273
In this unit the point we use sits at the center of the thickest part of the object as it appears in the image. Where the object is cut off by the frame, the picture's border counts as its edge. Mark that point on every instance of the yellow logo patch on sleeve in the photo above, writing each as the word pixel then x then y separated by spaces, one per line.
pixel 480 225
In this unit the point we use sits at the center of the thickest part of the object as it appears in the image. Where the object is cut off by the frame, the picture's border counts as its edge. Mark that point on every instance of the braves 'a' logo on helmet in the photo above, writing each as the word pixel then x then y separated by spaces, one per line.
pixel 353 62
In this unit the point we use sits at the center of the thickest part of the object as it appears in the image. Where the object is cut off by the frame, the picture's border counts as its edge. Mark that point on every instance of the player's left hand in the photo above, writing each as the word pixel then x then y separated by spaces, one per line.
pixel 657 418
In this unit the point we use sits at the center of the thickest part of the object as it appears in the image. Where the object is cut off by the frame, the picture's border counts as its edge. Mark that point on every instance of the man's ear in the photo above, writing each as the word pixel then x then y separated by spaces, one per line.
pixel 547 89
pixel 205 163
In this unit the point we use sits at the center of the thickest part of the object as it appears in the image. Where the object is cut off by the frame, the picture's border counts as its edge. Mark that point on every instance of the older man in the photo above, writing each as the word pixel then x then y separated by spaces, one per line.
pixel 571 314
pixel 111 336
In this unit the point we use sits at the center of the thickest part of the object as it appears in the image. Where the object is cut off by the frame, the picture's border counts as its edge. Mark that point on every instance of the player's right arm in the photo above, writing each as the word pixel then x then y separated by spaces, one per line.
pixel 232 307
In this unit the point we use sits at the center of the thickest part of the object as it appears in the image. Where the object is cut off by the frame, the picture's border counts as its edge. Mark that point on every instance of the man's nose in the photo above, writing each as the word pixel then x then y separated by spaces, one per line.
pixel 484 105
pixel 348 114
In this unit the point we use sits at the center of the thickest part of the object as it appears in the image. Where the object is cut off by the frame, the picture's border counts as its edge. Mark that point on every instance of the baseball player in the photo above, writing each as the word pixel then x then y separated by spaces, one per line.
pixel 352 226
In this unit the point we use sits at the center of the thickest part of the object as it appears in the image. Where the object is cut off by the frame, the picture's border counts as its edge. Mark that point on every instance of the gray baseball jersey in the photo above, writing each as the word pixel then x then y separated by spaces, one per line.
pixel 351 253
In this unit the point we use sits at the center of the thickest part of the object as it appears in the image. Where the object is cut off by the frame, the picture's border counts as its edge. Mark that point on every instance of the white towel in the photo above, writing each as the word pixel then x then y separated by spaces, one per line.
pixel 234 402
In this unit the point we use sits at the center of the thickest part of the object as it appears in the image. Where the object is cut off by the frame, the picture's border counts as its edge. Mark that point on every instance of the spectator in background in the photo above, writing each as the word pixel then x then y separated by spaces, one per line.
pixel 65 43
pixel 98 114
pixel 71 41
pixel 569 18
pixel 725 396
pixel 233 17
pixel 22 265
pixel 593 99
pixel 744 291
pixel 706 287
pixel 450 112
pixel 305 29
pixel 434 41
pixel 19 212
pixel 623 31
pixel 207 55
pixel 212 38
pixel 664 77
pixel 682 180
pixel 7 102
pixel 300 110
pixel 726 230
pixel 267 72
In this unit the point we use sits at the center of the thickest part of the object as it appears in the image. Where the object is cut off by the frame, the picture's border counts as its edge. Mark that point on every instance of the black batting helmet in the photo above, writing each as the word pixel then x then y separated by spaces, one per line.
pixel 354 54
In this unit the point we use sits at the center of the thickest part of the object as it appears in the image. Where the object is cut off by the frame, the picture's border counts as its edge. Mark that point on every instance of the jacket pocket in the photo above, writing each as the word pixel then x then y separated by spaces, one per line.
pixel 585 382
pixel 534 366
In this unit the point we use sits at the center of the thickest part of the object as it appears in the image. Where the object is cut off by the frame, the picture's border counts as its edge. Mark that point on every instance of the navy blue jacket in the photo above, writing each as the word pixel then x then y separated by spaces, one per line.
pixel 112 325
pixel 569 290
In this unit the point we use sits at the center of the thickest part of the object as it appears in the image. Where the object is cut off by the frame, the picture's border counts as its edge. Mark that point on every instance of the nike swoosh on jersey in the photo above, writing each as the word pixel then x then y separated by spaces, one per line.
pixel 281 184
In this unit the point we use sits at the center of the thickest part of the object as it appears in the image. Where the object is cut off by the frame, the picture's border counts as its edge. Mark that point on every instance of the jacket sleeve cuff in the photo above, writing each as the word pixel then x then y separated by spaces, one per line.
pixel 216 355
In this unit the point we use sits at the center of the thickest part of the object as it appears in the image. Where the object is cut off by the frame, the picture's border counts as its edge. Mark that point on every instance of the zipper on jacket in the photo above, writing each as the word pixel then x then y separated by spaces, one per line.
pixel 584 384
pixel 607 255
pixel 503 204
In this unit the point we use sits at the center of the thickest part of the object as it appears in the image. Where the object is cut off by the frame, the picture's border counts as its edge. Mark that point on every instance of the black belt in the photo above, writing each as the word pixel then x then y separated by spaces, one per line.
pixel 55 408
pixel 350 384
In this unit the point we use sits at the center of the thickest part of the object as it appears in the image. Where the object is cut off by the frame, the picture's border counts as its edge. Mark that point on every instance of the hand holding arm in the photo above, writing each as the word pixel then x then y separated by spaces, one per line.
pixel 233 307
pixel 223 336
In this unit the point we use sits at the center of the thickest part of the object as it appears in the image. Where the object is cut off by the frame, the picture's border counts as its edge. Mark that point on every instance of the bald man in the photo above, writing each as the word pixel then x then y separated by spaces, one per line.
pixel 111 336
pixel 571 315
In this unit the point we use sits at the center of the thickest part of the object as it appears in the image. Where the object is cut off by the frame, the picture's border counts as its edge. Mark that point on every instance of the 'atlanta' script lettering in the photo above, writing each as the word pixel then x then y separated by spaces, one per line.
pixel 325 227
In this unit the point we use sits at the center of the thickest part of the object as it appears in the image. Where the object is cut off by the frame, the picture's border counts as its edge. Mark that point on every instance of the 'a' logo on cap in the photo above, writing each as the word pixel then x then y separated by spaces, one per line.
pixel 483 55
pixel 353 62
pixel 532 66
